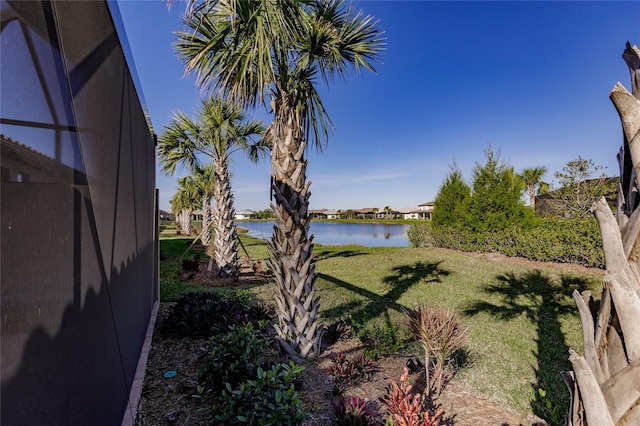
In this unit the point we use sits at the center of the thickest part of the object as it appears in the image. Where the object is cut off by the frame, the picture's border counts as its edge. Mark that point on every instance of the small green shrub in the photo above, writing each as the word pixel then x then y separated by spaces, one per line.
pixel 203 313
pixel 353 412
pixel 419 235
pixel 268 399
pixel 380 341
pixel 233 357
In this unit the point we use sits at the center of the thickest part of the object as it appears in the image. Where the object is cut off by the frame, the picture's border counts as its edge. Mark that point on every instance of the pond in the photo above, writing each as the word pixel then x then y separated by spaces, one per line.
pixel 327 233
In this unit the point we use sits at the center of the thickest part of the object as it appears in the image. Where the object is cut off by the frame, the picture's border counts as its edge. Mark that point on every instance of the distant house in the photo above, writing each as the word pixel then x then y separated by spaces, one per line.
pixel 245 214
pixel 409 212
pixel 426 210
pixel 166 216
pixel 318 214
pixel 324 214
pixel 367 213
pixel 423 211
pixel 332 214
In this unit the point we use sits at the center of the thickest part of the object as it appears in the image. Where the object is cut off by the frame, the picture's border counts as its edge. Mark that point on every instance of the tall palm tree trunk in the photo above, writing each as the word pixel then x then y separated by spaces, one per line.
pixel 185 221
pixel 532 197
pixel 225 240
pixel 207 222
pixel 291 247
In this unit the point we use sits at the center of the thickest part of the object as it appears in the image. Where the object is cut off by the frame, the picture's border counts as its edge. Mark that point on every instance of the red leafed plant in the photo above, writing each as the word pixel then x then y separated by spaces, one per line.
pixel 353 412
pixel 406 409
pixel 345 371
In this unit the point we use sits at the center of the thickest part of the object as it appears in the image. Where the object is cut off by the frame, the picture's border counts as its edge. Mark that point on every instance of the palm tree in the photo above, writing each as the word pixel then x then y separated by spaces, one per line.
pixel 387 211
pixel 262 50
pixel 183 203
pixel 219 130
pixel 205 182
pixel 532 179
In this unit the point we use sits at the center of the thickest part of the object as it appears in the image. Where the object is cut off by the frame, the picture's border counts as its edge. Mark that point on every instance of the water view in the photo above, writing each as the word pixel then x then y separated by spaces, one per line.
pixel 327 233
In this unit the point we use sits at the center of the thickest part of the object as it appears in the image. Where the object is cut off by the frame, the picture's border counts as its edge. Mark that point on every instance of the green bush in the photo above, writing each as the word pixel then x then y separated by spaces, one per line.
pixel 203 313
pixel 380 341
pixel 269 399
pixel 551 240
pixel 420 235
pixel 233 357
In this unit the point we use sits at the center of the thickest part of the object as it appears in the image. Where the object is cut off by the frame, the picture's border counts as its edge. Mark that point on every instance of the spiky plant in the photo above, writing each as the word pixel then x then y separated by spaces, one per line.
pixel 440 334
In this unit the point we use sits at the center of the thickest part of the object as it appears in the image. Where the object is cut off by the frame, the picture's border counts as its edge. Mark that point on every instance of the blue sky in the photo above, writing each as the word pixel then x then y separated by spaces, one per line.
pixel 532 79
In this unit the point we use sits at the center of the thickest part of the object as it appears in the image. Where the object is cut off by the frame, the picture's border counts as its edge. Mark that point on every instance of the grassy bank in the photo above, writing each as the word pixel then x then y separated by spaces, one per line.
pixel 521 318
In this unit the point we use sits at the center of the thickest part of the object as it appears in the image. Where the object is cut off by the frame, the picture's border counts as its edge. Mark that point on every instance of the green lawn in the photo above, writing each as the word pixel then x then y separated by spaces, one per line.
pixel 521 320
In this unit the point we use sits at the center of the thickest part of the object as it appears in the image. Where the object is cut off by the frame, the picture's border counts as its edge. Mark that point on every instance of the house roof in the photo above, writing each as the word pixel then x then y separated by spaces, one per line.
pixel 407 210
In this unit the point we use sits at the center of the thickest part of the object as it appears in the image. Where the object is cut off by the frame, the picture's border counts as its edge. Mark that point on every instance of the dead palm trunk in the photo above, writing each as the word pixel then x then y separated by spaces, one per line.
pixel 605 382
pixel 225 240
pixel 291 247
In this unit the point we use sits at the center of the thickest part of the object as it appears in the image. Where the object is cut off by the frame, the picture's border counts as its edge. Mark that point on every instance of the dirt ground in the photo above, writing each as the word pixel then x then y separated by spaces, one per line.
pixel 170 401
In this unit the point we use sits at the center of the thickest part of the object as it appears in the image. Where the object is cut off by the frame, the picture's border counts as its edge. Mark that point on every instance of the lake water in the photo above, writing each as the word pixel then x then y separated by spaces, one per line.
pixel 327 233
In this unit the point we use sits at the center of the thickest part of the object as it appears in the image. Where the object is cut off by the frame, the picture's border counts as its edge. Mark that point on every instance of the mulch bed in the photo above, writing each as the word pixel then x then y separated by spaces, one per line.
pixel 171 401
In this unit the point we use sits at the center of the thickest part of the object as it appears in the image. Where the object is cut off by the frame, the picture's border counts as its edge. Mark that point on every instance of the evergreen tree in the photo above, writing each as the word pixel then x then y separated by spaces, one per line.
pixel 496 196
pixel 452 200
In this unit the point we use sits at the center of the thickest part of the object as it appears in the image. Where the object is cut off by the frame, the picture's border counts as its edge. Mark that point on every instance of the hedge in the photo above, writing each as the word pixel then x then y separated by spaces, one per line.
pixel 552 240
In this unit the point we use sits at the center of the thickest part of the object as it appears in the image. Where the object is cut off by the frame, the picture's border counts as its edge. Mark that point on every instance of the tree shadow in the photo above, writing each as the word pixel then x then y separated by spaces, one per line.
pixel 543 301
pixel 403 278
pixel 333 253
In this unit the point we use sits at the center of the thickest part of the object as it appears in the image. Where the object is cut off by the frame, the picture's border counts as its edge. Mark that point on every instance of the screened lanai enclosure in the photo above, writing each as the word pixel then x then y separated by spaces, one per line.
pixel 78 232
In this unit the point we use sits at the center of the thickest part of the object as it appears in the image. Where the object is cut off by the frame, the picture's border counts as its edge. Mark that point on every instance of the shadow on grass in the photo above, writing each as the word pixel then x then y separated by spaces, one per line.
pixel 322 255
pixel 404 277
pixel 543 301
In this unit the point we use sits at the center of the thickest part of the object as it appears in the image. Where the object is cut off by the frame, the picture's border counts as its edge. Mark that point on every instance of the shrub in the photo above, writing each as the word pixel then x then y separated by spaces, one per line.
pixel 345 371
pixel 191 266
pixel 338 330
pixel 550 240
pixel 380 341
pixel 408 409
pixel 268 399
pixel 353 412
pixel 204 313
pixel 419 235
pixel 233 357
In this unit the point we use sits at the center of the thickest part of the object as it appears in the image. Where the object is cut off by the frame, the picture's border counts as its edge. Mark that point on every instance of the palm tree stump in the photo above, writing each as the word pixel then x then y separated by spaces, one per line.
pixel 605 382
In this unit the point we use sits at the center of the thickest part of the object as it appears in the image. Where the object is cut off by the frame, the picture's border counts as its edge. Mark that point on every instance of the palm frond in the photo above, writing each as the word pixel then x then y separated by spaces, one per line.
pixel 178 144
pixel 232 44
pixel 339 39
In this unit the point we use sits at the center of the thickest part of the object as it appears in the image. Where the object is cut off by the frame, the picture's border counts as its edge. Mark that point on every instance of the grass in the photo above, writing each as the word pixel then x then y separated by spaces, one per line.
pixel 521 320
